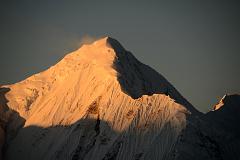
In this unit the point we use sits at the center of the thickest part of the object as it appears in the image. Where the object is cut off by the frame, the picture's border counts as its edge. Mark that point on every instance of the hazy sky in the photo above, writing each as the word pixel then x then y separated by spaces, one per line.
pixel 194 44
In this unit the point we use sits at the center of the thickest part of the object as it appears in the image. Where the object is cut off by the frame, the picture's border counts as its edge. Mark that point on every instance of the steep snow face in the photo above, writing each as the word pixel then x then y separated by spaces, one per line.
pixel 98 102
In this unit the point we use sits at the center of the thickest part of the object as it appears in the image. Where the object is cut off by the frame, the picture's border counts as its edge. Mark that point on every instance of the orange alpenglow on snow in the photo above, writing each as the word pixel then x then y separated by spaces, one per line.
pixel 98 102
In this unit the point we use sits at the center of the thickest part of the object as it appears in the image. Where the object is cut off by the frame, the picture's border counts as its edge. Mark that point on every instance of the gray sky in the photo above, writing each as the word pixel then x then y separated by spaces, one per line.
pixel 194 44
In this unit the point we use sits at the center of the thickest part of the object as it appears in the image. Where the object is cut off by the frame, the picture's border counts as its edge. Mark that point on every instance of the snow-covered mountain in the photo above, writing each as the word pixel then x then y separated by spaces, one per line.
pixel 100 102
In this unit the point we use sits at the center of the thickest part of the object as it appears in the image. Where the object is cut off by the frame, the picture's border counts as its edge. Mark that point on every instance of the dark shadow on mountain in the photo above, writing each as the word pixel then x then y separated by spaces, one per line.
pixel 94 137
pixel 70 141
pixel 216 135
pixel 228 115
pixel 226 121
pixel 84 139
pixel 3 118
pixel 10 121
pixel 137 79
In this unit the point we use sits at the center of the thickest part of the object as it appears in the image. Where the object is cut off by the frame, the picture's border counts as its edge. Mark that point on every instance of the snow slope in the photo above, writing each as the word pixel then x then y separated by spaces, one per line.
pixel 98 102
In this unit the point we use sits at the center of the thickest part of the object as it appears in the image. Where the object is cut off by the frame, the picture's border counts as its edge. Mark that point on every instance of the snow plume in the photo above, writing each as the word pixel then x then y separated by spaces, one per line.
pixel 87 39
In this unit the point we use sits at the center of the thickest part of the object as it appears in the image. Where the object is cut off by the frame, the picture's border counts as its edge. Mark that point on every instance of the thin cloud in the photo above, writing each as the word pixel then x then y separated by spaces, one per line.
pixel 87 39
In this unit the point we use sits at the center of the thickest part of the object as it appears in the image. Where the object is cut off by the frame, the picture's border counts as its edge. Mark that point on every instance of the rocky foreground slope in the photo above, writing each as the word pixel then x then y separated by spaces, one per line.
pixel 100 102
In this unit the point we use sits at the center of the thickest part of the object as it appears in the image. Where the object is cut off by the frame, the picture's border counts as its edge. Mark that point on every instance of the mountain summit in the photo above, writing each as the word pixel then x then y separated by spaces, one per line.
pixel 98 102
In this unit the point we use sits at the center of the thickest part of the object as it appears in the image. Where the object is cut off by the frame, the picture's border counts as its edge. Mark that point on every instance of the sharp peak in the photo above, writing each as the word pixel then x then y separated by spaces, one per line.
pixel 226 100
pixel 106 49
pixel 108 42
pixel 106 39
